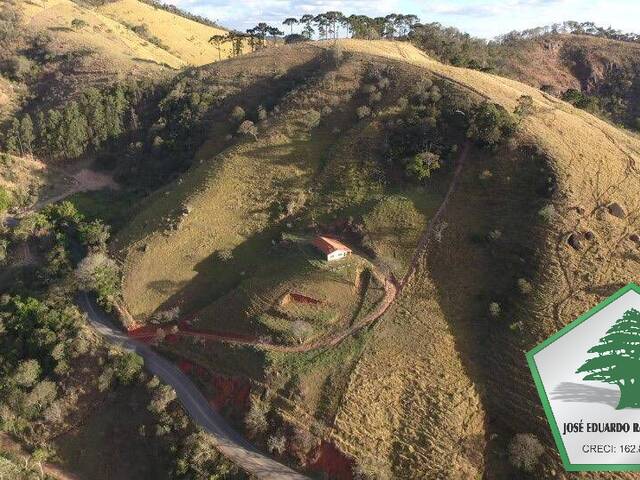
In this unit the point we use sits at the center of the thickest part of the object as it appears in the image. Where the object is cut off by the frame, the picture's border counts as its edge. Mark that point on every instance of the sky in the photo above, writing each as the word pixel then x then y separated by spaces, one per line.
pixel 481 18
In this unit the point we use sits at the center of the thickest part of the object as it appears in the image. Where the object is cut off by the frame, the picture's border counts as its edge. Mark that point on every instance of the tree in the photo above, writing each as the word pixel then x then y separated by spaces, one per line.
pixel 12 141
pixel 618 359
pixel 491 124
pixel 524 451
pixel 260 32
pixel 248 128
pixel 75 130
pixel 99 273
pixel 290 22
pixel 218 41
pixel 27 135
pixel 422 165
pixel 308 30
pixel 275 32
pixel 27 373
pixel 127 366
pixel 162 397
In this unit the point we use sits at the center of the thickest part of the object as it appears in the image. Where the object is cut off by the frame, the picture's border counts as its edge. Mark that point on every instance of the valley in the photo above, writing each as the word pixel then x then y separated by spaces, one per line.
pixel 162 206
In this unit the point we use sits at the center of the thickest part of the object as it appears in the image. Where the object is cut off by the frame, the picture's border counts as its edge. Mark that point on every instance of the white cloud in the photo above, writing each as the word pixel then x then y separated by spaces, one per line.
pixel 486 18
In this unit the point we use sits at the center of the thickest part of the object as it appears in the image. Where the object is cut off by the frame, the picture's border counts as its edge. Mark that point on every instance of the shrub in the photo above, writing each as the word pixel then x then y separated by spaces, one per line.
pixel 255 420
pixel 548 212
pixel 524 286
pixel 375 97
pixel 18 68
pixel 525 106
pixel 491 124
pixel 494 309
pixel 237 114
pixel 5 200
pixel 312 118
pixel 277 444
pixel 363 112
pixel 525 451
pixel 248 128
pixel 422 165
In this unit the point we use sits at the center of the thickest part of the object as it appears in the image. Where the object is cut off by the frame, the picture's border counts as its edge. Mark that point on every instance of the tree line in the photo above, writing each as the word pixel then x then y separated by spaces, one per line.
pixel 570 27
pixel 327 25
pixel 71 130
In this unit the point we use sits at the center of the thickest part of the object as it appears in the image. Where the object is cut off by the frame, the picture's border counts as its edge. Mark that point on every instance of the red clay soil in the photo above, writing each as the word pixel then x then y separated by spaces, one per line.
pixel 301 298
pixel 332 462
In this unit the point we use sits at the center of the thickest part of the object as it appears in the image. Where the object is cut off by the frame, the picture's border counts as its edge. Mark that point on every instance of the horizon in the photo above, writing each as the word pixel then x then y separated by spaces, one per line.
pixel 483 19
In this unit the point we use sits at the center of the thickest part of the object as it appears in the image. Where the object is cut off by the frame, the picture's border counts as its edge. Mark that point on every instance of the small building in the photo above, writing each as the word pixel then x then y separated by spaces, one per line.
pixel 332 248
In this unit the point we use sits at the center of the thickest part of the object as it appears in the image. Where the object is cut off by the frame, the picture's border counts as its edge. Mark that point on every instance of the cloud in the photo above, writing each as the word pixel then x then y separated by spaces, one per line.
pixel 484 18
pixel 242 14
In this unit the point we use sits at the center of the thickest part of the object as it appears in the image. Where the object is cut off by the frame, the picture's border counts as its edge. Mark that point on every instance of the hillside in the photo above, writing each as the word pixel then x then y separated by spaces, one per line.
pixel 606 72
pixel 453 376
pixel 185 39
pixel 57 48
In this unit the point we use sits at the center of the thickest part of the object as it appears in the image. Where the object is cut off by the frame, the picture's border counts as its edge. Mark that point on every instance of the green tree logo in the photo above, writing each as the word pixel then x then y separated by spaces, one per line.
pixel 618 359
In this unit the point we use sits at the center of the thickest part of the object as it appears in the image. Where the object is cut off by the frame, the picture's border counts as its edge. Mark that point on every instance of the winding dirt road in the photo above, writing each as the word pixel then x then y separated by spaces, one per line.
pixel 227 440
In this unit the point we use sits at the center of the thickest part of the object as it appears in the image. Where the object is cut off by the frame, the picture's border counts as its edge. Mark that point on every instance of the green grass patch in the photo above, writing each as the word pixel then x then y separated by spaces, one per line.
pixel 113 207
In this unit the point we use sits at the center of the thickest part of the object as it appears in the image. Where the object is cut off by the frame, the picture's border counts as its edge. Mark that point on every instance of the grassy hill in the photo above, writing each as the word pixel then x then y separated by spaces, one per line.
pixel 606 72
pixel 56 48
pixel 439 385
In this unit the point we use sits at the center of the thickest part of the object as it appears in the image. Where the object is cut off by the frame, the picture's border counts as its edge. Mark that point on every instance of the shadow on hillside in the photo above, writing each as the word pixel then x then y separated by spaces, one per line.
pixel 469 274
pixel 578 392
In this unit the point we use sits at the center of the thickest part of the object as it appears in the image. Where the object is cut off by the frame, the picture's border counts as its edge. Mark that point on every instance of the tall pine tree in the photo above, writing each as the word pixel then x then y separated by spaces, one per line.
pixel 618 359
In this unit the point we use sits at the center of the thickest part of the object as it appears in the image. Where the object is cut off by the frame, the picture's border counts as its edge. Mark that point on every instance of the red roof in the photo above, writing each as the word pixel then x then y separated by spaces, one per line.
pixel 329 245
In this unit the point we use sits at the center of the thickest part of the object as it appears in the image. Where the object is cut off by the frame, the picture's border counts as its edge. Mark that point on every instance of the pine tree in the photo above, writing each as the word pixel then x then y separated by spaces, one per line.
pixel 76 134
pixel 54 140
pixel 618 359
pixel 12 140
pixel 27 134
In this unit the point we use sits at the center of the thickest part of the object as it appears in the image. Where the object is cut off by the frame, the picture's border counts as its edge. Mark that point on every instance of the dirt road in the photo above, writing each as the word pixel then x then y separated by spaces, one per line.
pixel 228 441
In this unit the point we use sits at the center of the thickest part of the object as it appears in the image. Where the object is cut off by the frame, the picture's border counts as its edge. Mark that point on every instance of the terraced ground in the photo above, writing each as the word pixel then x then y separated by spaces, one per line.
pixel 438 386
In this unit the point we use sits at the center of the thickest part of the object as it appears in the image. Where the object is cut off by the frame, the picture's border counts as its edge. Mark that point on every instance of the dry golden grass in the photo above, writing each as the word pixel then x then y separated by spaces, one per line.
pixel 594 164
pixel 185 39
pixel 413 406
pixel 115 47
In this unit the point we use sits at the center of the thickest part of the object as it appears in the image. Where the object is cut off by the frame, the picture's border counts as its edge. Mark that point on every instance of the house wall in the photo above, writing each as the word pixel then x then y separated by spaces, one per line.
pixel 338 254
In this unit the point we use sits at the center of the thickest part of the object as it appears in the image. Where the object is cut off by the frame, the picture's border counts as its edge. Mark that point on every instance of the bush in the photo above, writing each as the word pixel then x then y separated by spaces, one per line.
pixel 494 309
pixel 363 112
pixel 248 128
pixel 5 200
pixel 255 420
pixel 525 106
pixel 238 114
pixel 312 118
pixel 100 274
pixel 524 286
pixel 491 124
pixel 17 68
pixel 422 165
pixel 525 451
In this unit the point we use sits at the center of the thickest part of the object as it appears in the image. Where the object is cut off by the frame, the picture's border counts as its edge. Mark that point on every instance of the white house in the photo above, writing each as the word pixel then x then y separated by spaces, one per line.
pixel 332 248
